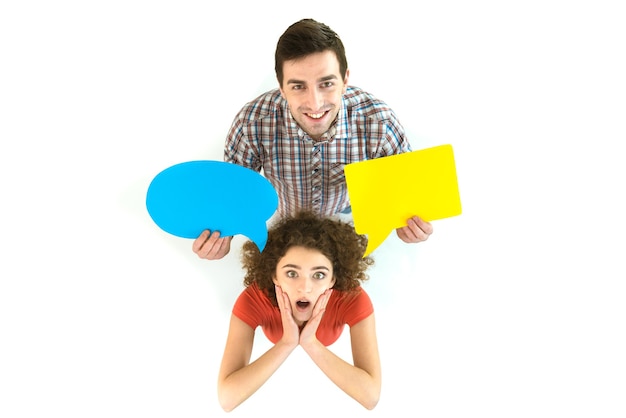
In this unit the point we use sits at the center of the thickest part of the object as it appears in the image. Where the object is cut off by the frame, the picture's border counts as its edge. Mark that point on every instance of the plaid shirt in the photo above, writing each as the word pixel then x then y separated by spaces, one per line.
pixel 308 174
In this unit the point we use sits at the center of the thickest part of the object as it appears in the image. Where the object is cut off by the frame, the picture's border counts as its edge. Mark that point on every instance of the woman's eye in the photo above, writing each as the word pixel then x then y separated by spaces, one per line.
pixel 319 275
pixel 291 274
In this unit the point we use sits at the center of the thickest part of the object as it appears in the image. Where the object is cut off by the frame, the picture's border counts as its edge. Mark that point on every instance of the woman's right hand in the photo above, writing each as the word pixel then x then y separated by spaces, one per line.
pixel 291 331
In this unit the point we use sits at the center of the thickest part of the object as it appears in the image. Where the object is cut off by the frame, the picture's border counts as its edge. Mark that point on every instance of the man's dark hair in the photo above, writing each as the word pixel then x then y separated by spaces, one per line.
pixel 307 37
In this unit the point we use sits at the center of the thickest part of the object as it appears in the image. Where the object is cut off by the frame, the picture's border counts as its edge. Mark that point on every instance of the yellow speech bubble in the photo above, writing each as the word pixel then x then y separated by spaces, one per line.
pixel 385 192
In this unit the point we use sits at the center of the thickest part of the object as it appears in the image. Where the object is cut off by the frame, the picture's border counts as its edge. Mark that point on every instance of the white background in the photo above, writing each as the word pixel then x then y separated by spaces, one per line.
pixel 513 309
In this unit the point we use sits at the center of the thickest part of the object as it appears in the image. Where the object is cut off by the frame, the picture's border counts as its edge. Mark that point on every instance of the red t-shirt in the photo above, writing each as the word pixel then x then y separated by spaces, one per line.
pixel 254 308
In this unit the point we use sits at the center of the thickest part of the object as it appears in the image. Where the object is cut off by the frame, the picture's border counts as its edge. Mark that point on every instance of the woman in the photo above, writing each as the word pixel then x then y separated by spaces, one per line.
pixel 302 290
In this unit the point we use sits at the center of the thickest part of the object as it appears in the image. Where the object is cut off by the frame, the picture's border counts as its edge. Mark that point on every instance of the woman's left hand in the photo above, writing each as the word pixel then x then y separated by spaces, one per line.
pixel 307 335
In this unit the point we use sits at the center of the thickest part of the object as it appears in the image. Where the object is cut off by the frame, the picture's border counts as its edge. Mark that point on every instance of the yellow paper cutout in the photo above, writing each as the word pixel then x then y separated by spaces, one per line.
pixel 385 192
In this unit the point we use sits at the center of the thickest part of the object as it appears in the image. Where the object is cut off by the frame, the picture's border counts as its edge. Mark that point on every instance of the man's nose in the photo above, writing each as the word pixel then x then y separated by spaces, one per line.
pixel 316 100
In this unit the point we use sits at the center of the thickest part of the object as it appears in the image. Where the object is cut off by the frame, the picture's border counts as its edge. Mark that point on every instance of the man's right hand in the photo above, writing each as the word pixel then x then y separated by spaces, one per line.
pixel 211 246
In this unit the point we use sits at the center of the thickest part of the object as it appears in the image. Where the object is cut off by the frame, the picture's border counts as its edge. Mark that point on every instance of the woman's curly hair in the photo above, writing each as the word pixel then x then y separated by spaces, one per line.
pixel 337 240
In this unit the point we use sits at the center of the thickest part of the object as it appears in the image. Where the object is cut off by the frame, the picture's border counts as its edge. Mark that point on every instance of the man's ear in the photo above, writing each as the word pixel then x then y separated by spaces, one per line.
pixel 345 80
pixel 280 87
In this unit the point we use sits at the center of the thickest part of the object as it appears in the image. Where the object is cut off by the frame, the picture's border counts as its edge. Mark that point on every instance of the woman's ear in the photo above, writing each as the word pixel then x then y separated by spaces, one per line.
pixel 332 283
pixel 274 280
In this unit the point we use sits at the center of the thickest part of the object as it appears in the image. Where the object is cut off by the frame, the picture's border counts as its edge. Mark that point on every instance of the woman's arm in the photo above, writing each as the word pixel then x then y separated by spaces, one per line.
pixel 238 378
pixel 362 381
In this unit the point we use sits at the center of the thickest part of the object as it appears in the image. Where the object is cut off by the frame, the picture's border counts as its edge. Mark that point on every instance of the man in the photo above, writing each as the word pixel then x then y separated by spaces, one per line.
pixel 302 134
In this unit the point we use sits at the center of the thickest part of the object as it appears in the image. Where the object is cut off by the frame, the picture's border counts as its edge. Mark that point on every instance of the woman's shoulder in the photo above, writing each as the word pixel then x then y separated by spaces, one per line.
pixel 253 295
pixel 350 297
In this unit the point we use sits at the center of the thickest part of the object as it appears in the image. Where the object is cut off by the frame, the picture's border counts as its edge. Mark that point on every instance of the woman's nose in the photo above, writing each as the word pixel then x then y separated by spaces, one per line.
pixel 306 286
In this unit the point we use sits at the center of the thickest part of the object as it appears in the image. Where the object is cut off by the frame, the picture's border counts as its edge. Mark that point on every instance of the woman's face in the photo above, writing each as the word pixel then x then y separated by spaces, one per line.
pixel 304 274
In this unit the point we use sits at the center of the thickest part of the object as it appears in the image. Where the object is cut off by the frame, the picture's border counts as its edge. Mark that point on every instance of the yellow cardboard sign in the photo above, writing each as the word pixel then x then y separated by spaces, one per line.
pixel 385 192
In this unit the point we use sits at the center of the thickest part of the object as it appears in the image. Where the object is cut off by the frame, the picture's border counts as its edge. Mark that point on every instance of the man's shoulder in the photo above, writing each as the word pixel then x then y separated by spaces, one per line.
pixel 360 101
pixel 266 104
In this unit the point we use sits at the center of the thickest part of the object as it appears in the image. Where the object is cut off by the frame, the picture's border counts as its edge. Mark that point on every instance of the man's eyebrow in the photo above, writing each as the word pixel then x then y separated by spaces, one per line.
pixel 320 80
pixel 328 77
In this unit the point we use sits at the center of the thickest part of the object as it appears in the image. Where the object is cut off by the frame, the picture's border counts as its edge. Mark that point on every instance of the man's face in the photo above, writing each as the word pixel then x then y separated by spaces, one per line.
pixel 313 88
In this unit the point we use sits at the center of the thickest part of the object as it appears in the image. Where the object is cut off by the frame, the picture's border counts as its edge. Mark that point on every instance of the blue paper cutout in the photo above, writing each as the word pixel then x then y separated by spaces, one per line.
pixel 189 197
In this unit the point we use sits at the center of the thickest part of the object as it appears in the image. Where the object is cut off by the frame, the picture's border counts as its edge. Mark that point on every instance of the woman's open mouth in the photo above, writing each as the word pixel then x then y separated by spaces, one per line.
pixel 302 305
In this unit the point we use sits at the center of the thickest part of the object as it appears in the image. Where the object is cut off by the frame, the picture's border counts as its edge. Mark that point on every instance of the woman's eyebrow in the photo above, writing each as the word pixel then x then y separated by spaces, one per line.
pixel 295 266
pixel 292 266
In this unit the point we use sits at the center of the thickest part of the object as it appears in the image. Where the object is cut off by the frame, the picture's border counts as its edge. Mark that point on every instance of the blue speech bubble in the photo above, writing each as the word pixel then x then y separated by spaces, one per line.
pixel 189 197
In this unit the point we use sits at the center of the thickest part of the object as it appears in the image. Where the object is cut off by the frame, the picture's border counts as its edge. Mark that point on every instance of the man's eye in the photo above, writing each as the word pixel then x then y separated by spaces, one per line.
pixel 327 84
pixel 297 87
pixel 319 275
